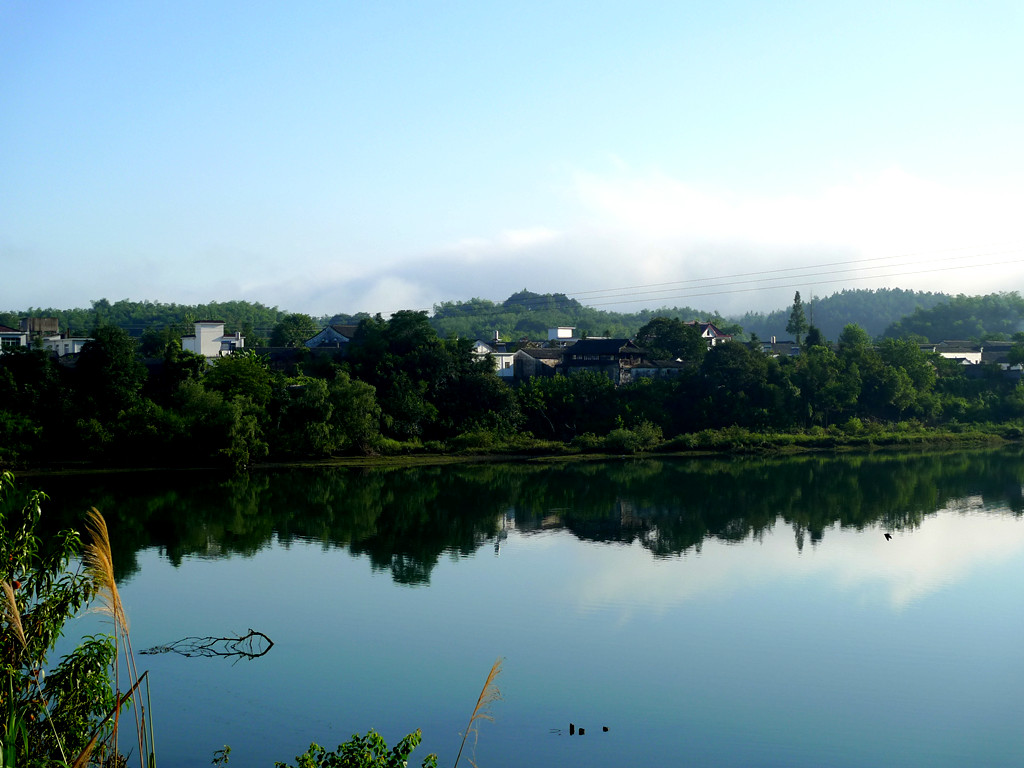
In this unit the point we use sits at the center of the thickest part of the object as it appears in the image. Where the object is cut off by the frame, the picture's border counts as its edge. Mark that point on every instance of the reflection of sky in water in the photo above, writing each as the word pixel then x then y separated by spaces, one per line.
pixel 856 651
pixel 859 566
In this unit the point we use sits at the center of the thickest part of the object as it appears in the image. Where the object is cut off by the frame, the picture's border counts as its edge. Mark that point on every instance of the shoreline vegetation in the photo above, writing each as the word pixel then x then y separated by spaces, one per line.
pixel 398 393
pixel 707 443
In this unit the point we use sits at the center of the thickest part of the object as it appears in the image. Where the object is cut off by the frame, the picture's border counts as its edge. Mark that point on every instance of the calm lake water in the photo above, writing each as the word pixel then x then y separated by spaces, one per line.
pixel 707 612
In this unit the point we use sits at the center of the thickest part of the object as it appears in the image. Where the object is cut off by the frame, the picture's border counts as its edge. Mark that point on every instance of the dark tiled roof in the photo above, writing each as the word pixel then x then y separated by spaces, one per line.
pixel 543 353
pixel 664 364
pixel 601 347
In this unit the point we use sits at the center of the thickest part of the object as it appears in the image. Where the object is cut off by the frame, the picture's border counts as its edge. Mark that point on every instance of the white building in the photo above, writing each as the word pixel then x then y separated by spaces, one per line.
pixel 710 333
pixel 9 337
pixel 209 340
pixel 499 352
pixel 65 345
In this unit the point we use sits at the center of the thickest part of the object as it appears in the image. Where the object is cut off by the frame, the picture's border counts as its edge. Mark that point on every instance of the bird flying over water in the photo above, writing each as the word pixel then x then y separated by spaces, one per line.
pixel 888 537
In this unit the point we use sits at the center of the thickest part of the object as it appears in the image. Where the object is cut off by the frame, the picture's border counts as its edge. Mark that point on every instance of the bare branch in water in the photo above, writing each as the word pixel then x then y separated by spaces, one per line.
pixel 251 645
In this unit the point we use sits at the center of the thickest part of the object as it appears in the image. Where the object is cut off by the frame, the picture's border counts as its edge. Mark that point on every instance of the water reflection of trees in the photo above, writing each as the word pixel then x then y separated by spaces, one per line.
pixel 405 520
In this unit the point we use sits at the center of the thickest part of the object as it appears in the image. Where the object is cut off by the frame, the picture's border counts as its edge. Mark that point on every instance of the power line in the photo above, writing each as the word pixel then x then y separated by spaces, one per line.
pixel 795 277
pixel 627 291
pixel 800 283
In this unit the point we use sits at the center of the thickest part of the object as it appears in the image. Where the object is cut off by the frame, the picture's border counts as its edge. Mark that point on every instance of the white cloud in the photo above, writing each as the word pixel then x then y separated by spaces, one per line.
pixel 889 212
pixel 861 567
pixel 681 243
pixel 689 245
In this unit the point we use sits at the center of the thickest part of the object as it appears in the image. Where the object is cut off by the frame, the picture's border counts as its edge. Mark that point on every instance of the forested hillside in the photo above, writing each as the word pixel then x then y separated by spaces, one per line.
pixel 976 318
pixel 137 317
pixel 530 315
pixel 872 310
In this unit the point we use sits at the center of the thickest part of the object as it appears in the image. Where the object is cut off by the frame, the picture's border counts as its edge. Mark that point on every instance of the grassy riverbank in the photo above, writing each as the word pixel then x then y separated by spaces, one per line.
pixel 642 441
pixel 729 441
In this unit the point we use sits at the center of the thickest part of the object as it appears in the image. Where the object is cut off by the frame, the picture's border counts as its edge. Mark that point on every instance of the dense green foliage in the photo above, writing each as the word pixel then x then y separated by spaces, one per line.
pixel 293 330
pixel 666 338
pixel 873 310
pixel 977 318
pixel 400 387
pixel 369 751
pixel 45 719
pixel 529 315
pixel 137 317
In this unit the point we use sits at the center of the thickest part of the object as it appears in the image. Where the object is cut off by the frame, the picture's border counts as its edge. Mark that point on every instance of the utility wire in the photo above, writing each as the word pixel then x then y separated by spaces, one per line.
pixel 795 277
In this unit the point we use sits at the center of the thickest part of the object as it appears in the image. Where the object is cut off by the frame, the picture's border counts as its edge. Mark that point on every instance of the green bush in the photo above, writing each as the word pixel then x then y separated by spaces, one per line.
pixel 588 442
pixel 642 437
pixel 369 751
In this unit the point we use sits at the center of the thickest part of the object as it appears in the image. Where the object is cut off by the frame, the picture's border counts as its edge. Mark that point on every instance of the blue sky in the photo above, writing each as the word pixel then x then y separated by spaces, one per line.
pixel 374 156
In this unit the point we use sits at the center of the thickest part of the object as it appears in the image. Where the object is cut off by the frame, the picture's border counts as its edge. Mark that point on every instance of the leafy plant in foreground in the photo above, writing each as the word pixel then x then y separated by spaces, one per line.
pixel 369 751
pixel 44 717
pixel 68 717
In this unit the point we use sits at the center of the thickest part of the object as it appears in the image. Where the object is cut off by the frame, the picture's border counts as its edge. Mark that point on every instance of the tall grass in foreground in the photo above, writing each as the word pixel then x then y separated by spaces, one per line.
pixel 99 564
pixel 482 711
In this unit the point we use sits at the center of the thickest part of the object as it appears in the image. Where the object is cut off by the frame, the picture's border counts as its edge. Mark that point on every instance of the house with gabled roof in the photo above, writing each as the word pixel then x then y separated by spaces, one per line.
pixel 498 350
pixel 710 332
pixel 528 362
pixel 613 357
pixel 963 352
pixel 332 337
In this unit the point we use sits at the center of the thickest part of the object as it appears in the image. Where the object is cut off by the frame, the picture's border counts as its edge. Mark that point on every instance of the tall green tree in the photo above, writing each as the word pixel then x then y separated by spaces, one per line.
pixel 797 324
pixel 242 374
pixel 109 374
pixel 668 338
pixel 562 407
pixel 293 330
pixel 825 388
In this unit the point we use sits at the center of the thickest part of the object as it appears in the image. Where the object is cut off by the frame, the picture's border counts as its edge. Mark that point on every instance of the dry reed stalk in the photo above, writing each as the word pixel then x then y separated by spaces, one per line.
pixel 488 695
pixel 13 615
pixel 86 755
pixel 99 562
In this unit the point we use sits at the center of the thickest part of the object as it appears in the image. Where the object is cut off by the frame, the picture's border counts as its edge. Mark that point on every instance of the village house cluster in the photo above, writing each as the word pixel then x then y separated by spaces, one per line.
pixel 561 353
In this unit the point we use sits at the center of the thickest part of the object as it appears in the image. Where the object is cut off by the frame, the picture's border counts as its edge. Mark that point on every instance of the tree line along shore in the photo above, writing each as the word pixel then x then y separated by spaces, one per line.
pixel 400 389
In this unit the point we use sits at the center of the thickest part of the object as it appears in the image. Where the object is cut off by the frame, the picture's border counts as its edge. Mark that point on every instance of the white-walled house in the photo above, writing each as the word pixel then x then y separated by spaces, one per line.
pixel 710 333
pixel 963 352
pixel 65 345
pixel 9 337
pixel 503 359
pixel 562 336
pixel 209 340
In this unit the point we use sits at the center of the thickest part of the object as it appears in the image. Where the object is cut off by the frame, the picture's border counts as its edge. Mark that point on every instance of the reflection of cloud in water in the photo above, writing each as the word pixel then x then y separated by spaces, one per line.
pixel 861 565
